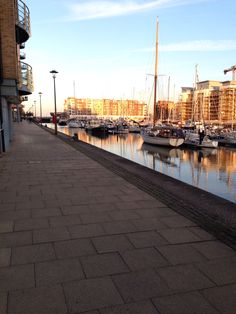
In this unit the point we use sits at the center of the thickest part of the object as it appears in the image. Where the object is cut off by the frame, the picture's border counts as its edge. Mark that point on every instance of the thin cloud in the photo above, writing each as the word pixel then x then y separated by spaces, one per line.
pixel 196 45
pixel 87 10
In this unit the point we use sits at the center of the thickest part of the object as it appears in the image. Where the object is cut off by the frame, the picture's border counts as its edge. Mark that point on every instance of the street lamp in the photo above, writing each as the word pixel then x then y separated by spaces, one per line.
pixel 40 95
pixel 35 109
pixel 54 73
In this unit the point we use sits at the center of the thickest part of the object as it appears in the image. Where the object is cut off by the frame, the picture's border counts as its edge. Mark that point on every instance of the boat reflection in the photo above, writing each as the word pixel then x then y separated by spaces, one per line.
pixel 205 152
pixel 164 154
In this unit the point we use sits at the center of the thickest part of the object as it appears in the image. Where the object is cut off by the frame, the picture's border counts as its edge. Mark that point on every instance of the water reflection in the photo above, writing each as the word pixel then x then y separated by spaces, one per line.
pixel 213 170
pixel 166 155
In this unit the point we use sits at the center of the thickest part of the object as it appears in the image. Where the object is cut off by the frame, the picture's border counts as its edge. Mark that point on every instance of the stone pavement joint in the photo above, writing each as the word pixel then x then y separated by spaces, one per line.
pixel 80 235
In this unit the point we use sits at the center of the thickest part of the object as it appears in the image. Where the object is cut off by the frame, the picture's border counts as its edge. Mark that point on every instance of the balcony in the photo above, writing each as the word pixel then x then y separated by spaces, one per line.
pixel 22 23
pixel 25 84
pixel 22 55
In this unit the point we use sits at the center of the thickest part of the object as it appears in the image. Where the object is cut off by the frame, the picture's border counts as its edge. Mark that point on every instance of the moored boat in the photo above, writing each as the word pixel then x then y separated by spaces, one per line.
pixel 163 136
pixel 96 127
pixel 62 122
pixel 73 124
pixel 193 140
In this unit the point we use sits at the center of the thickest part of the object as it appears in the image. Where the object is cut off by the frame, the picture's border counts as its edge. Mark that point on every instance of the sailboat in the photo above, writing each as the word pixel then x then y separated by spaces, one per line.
pixel 162 135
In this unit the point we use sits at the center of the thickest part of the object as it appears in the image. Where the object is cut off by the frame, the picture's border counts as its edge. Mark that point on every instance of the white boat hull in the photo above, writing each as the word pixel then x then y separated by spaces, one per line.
pixel 162 141
pixel 193 141
pixel 209 144
pixel 73 125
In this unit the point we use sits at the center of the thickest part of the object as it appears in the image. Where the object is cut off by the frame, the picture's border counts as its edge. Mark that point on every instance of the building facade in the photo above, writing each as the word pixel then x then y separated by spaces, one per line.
pixel 210 101
pixel 105 107
pixel 15 75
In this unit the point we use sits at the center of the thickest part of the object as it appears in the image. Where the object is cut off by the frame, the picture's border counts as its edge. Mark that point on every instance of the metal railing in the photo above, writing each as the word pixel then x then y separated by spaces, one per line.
pixel 26 76
pixel 23 19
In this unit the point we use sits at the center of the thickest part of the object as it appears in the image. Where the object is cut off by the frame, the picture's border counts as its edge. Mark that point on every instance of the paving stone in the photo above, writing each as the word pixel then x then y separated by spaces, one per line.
pixel 156 212
pixel 6 226
pixel 46 212
pixel 181 254
pixel 59 271
pixel 91 294
pixel 91 312
pixel 75 209
pixel 32 254
pixel 102 207
pixel 64 221
pixel 99 189
pixel 118 227
pixel 6 207
pixel 192 302
pixel 38 301
pixel 137 286
pixel 143 259
pixel 30 205
pixel 103 264
pixel 14 239
pixel 204 235
pixel 94 218
pixel 50 235
pixel 111 243
pixel 73 248
pixel 15 214
pixel 146 239
pixel 223 298
pixel 145 307
pixel 17 277
pixel 86 231
pixel 136 195
pixel 153 203
pixel 179 235
pixel 3 303
pixel 31 224
pixel 112 199
pixel 5 257
pixel 184 278
pixel 123 215
pixel 220 271
pixel 148 224
pixel 177 222
pixel 214 249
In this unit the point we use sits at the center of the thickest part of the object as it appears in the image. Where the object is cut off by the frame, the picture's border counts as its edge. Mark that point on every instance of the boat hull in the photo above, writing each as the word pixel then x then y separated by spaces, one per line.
pixel 162 141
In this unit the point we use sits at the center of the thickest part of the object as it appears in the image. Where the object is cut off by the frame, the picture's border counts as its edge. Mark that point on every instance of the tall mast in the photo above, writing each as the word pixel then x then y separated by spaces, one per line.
pixel 155 78
pixel 74 95
pixel 194 102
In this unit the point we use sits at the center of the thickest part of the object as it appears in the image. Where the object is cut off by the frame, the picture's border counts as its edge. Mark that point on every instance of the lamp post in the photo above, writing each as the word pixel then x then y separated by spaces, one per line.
pixel 54 73
pixel 40 95
pixel 35 110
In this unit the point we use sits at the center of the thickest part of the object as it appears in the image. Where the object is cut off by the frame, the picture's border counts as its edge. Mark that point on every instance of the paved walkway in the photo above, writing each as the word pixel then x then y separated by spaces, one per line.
pixel 77 238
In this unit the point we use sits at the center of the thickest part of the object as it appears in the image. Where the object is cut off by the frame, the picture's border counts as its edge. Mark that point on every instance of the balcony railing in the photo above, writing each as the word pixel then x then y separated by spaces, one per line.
pixel 25 79
pixel 23 21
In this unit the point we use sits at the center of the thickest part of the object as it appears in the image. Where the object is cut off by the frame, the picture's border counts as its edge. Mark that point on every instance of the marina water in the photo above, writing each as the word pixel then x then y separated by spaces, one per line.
pixel 213 170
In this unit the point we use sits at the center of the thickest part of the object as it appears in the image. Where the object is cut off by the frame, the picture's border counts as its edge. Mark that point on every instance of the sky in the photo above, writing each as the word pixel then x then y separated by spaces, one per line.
pixel 106 48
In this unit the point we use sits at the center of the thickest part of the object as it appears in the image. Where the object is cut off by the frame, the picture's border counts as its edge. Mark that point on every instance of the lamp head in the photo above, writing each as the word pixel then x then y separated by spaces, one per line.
pixel 53 72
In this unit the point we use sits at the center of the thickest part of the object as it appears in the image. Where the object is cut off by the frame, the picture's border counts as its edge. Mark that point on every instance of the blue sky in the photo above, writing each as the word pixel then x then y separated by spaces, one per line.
pixel 106 48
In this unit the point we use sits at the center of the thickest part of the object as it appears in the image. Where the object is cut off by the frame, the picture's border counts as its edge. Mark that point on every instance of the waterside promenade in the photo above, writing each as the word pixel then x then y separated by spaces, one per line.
pixel 76 236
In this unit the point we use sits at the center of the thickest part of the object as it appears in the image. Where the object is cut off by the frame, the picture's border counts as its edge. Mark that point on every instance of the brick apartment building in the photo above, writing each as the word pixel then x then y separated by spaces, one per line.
pixel 15 75
pixel 105 107
pixel 211 101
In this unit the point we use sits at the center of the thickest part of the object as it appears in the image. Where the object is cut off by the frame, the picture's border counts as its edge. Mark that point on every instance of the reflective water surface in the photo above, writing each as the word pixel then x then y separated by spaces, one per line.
pixel 213 170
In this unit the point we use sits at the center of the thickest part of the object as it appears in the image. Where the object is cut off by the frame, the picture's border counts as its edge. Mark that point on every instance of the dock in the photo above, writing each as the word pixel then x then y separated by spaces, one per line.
pixel 86 231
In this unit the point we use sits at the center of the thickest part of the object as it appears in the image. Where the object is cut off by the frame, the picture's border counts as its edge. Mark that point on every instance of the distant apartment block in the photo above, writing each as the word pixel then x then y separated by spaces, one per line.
pixel 15 75
pixel 105 107
pixel 210 101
